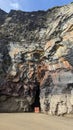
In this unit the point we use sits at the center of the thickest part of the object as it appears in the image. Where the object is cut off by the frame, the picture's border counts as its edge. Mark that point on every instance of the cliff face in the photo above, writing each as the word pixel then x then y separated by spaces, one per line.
pixel 36 60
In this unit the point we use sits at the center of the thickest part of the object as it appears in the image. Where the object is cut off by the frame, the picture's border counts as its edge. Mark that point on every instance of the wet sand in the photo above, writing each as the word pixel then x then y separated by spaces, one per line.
pixel 34 121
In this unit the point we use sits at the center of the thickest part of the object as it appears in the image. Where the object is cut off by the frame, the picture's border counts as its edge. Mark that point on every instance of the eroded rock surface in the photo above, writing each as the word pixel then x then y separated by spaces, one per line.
pixel 36 50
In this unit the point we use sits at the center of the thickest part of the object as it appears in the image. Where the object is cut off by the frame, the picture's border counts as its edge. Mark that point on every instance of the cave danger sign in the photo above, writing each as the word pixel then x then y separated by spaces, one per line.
pixel 36 110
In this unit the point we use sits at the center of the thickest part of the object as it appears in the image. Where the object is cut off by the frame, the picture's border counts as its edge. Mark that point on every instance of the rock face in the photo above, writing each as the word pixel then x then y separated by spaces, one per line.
pixel 36 61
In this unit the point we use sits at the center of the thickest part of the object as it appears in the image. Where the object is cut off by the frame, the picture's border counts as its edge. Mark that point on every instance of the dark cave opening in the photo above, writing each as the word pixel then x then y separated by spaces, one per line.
pixel 69 87
pixel 37 99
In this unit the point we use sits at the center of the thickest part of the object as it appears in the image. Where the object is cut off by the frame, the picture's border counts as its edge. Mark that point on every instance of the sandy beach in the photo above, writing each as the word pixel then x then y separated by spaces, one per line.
pixel 34 121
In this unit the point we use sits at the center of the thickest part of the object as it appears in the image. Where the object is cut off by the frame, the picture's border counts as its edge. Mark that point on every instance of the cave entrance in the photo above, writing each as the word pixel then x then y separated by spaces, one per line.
pixel 69 88
pixel 36 103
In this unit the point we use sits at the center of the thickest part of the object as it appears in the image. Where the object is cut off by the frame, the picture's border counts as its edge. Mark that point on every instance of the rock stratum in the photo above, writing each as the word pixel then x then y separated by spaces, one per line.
pixel 36 60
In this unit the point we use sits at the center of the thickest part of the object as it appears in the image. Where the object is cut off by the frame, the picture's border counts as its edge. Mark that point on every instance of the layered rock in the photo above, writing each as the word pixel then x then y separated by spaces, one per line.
pixel 36 52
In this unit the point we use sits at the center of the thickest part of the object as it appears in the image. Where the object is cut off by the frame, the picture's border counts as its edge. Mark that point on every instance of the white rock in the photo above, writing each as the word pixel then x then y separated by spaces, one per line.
pixel 71 99
pixel 62 109
pixel 69 106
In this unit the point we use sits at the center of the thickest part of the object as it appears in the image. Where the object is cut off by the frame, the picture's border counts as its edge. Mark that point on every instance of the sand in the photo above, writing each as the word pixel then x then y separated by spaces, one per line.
pixel 34 121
